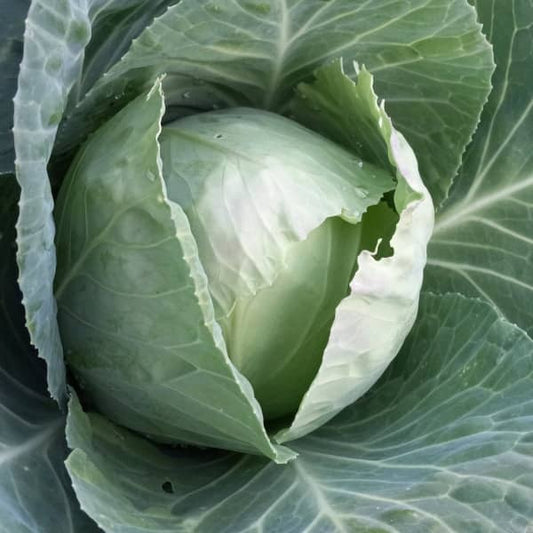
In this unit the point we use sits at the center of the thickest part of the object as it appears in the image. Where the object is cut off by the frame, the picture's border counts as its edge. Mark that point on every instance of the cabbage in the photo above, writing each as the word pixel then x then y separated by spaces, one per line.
pixel 266 265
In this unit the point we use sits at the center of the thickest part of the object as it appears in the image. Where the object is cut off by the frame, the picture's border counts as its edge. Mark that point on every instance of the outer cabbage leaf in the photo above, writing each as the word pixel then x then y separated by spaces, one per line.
pixel 430 60
pixel 446 42
pixel 136 318
pixel 56 34
pixel 35 491
pixel 372 322
pixel 11 30
pixel 54 40
pixel 114 25
pixel 483 242
pixel 443 443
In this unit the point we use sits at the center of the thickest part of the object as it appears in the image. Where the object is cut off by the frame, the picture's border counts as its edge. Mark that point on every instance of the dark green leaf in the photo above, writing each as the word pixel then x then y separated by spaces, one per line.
pixel 430 61
pixel 35 491
pixel 482 244
pixel 443 443
pixel 11 30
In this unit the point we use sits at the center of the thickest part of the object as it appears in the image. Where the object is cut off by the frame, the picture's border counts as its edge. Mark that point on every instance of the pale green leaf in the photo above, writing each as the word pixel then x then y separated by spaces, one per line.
pixel 135 316
pixel 372 322
pixel 253 184
pixel 277 337
pixel 54 40
pixel 54 62
pixel 257 189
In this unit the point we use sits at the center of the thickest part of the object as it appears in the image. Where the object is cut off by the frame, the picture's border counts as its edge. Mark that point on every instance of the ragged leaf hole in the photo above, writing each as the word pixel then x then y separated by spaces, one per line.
pixel 168 487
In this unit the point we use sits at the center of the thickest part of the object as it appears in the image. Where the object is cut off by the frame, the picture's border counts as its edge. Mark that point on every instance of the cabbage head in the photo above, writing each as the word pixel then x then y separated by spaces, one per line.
pixel 232 274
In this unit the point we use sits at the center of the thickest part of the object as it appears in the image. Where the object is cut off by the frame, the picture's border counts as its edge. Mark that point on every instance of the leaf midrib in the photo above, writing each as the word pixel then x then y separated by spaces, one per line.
pixel 30 444
pixel 455 216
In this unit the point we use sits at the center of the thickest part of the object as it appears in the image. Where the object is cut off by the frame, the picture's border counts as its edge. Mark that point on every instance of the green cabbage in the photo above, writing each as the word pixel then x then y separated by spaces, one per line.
pixel 266 264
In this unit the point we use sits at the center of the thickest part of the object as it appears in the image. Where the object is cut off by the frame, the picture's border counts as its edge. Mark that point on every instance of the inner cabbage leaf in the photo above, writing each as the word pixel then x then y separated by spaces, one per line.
pixel 276 213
